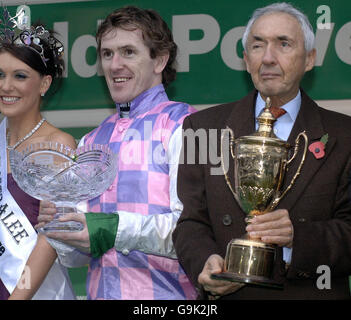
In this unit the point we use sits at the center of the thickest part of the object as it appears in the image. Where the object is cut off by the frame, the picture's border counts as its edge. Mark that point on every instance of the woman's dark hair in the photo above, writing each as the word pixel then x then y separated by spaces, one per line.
pixel 157 36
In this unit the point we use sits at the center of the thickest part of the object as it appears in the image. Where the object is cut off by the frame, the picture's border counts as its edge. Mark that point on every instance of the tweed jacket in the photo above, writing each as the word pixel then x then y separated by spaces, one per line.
pixel 319 203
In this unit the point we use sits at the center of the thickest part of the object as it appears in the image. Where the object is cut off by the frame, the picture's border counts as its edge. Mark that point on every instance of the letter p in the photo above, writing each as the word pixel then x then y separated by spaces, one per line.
pixel 182 24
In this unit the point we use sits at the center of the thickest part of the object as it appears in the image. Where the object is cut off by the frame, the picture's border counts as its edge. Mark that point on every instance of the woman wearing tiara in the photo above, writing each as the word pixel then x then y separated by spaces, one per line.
pixel 29 64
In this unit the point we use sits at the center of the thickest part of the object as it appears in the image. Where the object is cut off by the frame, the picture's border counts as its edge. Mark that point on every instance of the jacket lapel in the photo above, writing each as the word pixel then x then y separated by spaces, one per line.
pixel 309 120
pixel 242 117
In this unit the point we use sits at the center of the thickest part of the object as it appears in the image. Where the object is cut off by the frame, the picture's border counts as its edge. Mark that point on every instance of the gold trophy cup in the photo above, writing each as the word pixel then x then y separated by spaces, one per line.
pixel 260 162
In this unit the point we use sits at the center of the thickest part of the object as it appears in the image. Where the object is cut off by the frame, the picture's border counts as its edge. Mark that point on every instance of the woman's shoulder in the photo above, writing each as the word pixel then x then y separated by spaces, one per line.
pixel 57 135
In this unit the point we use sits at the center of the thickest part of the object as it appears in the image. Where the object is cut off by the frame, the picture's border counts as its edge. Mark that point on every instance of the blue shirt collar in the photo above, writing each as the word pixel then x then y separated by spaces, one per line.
pixel 292 107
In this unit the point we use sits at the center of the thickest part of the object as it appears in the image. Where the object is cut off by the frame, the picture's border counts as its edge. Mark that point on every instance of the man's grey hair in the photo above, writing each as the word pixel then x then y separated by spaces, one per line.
pixel 284 7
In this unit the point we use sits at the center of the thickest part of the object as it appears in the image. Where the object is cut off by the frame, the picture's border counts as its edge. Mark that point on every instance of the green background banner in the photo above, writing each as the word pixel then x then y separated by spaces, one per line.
pixel 208 35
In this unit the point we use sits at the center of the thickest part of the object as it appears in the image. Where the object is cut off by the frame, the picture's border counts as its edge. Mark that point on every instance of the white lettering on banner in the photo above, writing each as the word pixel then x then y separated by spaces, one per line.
pixel 343 43
pixel 79 63
pixel 182 26
pixel 78 52
pixel 184 23
pixel 228 49
pixel 322 42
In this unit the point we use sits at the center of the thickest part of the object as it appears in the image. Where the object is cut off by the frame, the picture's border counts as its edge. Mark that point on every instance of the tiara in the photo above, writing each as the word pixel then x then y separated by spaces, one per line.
pixel 17 30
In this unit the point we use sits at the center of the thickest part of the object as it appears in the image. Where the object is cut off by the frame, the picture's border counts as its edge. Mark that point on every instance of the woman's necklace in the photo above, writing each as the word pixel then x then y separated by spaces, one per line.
pixel 25 137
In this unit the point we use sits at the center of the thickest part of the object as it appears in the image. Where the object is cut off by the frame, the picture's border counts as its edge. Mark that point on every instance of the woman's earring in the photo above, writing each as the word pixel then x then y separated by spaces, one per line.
pixel 43 94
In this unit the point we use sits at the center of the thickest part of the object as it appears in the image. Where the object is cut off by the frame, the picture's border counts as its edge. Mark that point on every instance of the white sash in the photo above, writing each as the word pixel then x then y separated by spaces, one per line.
pixel 17 240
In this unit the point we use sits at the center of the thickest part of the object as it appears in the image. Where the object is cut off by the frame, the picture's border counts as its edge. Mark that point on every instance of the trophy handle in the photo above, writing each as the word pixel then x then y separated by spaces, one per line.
pixel 296 149
pixel 231 143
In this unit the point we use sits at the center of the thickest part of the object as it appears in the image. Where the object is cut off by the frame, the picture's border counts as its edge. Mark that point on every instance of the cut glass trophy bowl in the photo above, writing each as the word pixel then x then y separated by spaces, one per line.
pixel 54 172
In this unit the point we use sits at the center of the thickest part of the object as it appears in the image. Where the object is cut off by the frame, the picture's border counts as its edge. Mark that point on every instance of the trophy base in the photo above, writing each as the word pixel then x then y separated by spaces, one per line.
pixel 249 261
pixel 250 280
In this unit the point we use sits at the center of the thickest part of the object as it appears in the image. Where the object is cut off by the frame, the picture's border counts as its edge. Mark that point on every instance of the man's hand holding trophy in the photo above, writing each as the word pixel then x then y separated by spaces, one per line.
pixel 260 163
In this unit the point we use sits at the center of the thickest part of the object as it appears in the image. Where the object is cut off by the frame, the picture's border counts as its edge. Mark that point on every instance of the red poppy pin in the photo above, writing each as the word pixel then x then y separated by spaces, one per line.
pixel 317 148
